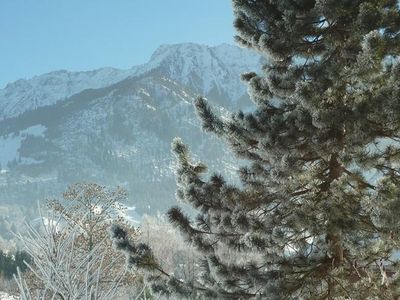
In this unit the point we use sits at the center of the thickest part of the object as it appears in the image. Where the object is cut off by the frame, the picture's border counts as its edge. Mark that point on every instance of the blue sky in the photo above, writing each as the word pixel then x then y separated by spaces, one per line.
pixel 39 36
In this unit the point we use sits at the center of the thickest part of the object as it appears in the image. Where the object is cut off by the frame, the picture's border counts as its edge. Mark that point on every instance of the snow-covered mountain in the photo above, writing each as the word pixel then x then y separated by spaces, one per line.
pixel 115 126
pixel 47 89
pixel 204 69
pixel 207 70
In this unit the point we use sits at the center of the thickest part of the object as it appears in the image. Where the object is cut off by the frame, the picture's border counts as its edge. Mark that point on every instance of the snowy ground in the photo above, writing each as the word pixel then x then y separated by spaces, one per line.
pixel 9 145
pixel 5 296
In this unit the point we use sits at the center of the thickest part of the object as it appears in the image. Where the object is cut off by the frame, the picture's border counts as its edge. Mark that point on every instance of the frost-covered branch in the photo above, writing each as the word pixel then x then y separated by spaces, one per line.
pixel 63 270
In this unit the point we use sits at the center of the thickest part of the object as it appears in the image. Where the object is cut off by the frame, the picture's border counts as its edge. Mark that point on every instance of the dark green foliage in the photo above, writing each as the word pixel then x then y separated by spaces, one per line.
pixel 315 216
pixel 9 262
pixel 138 256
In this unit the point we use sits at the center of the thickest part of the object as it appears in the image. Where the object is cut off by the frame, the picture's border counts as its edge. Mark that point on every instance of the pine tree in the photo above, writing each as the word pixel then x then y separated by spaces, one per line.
pixel 320 184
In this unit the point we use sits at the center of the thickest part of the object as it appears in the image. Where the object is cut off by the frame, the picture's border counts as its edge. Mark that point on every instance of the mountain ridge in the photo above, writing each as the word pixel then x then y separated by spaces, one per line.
pixel 51 87
pixel 119 132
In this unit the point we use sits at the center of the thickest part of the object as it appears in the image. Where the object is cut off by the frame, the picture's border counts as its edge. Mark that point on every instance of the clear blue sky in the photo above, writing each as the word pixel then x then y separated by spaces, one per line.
pixel 39 36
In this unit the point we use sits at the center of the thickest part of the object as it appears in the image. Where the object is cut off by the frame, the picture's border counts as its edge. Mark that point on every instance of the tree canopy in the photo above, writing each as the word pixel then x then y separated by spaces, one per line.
pixel 320 181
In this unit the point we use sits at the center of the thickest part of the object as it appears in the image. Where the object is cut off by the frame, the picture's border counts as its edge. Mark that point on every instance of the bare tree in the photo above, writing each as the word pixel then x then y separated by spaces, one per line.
pixel 92 208
pixel 65 270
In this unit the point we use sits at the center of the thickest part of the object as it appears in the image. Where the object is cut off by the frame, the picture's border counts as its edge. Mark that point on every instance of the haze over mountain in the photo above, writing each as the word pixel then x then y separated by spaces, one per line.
pixel 115 126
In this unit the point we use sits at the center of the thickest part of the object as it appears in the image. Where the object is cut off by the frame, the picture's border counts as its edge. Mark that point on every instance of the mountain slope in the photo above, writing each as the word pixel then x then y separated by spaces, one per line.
pixel 206 70
pixel 118 132
pixel 23 95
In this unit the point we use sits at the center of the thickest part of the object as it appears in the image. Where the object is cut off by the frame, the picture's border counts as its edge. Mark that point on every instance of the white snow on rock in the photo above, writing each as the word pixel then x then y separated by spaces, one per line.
pixel 10 144
pixel 47 89
pixel 203 67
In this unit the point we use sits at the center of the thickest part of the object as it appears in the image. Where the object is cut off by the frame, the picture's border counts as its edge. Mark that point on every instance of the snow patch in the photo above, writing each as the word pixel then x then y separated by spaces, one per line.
pixel 11 143
pixel 5 296
pixel 150 107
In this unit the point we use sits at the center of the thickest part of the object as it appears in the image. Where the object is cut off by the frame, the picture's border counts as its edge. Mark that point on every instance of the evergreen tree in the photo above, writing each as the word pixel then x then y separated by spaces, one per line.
pixel 9 263
pixel 327 118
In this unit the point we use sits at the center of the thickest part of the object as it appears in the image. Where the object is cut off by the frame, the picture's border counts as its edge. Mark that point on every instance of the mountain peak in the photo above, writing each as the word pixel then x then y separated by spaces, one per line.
pixel 192 48
pixel 166 50
pixel 205 69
